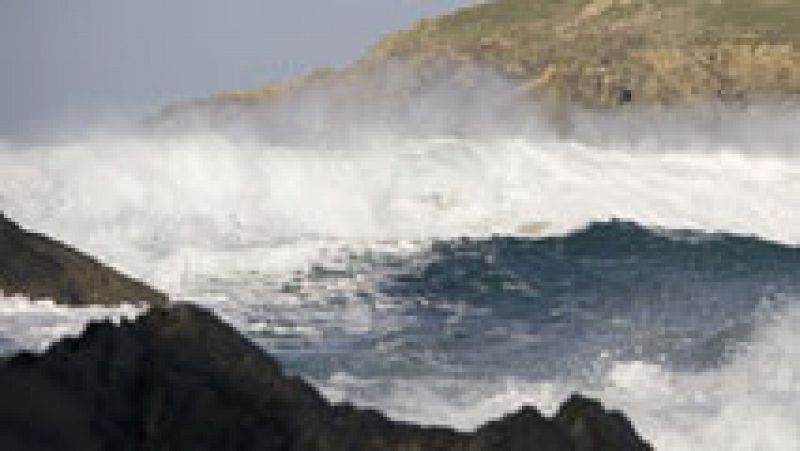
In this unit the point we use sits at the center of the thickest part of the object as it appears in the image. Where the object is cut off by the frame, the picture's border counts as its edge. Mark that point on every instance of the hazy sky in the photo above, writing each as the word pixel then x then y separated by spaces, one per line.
pixel 67 62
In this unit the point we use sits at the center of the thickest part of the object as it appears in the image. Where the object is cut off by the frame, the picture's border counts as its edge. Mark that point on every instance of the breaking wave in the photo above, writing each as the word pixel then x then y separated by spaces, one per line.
pixel 150 203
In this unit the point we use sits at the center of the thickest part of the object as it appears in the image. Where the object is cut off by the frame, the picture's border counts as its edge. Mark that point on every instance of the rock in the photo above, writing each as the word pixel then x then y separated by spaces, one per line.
pixel 38 267
pixel 523 430
pixel 178 378
pixel 592 428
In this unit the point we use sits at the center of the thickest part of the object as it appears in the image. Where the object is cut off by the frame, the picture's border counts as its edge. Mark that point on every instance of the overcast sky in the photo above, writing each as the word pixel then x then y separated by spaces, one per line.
pixel 73 61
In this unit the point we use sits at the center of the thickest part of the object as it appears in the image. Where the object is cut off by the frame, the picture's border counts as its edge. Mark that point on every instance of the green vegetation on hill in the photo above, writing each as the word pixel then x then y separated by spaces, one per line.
pixel 606 52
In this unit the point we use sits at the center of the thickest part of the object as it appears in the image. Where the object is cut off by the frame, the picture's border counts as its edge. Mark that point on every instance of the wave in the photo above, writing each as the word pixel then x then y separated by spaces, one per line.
pixel 146 202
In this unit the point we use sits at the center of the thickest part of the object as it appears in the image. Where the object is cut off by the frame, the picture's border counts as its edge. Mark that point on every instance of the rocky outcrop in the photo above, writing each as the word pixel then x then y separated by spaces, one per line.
pixel 38 267
pixel 178 378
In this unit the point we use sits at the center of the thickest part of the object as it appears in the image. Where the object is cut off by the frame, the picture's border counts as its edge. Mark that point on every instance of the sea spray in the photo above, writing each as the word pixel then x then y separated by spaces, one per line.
pixel 138 202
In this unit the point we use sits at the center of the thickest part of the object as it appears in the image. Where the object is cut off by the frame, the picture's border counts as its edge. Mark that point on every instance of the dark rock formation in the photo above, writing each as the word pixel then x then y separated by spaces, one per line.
pixel 179 379
pixel 39 267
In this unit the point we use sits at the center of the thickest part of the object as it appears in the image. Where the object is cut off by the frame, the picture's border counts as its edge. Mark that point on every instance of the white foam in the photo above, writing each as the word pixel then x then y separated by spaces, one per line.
pixel 159 206
pixel 34 325
pixel 751 403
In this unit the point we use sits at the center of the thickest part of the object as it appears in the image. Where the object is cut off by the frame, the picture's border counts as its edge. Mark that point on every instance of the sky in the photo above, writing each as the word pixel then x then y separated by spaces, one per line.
pixel 65 63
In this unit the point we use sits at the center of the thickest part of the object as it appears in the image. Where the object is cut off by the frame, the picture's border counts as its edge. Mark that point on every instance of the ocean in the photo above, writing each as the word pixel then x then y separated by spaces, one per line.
pixel 650 260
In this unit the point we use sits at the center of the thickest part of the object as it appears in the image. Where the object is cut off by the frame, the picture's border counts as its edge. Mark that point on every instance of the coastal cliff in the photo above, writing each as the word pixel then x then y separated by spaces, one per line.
pixel 595 53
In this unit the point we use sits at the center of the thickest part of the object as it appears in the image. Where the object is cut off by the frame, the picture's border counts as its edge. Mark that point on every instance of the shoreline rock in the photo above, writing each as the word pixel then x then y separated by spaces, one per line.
pixel 179 378
pixel 39 267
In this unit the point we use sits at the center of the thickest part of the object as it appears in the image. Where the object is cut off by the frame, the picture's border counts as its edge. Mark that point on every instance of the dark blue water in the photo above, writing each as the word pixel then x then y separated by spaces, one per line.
pixel 557 307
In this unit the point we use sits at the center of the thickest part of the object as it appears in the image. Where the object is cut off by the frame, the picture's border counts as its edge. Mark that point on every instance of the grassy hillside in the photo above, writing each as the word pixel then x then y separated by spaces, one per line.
pixel 607 52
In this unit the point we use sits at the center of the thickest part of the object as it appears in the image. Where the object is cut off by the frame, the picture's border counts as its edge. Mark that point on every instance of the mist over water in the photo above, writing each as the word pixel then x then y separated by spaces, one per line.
pixel 457 256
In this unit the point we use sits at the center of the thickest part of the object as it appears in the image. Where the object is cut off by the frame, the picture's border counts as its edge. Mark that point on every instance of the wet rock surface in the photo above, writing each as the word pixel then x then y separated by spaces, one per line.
pixel 39 267
pixel 179 378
